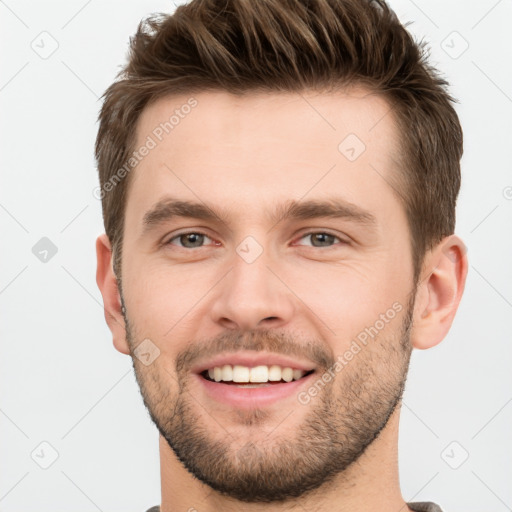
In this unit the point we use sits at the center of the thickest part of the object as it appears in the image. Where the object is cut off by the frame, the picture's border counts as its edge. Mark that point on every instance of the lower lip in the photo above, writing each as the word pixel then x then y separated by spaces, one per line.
pixel 248 398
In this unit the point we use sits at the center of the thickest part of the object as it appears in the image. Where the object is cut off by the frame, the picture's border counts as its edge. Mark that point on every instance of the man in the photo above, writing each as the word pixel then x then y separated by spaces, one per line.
pixel 278 182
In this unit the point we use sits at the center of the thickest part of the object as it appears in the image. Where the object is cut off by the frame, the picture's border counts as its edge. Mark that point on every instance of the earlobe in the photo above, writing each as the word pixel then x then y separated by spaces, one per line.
pixel 107 283
pixel 439 292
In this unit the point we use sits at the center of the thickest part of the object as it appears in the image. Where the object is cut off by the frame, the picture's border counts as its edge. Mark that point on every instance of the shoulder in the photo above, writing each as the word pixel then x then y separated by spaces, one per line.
pixel 420 506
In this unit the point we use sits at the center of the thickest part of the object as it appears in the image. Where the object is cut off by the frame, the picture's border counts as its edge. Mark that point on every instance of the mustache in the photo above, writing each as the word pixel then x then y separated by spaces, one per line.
pixel 257 340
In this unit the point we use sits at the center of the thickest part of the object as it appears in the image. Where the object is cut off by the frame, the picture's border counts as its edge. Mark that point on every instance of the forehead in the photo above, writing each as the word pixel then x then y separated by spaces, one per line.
pixel 239 149
pixel 270 116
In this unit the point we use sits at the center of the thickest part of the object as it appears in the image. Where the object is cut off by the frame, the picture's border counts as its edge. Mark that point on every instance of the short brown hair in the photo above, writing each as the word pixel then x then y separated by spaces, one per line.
pixel 291 45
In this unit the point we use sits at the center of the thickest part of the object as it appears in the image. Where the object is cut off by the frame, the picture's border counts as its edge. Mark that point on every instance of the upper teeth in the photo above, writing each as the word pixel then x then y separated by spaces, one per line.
pixel 238 373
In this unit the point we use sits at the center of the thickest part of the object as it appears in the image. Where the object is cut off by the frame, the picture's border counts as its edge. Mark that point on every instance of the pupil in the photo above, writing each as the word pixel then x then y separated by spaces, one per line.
pixel 323 238
pixel 192 240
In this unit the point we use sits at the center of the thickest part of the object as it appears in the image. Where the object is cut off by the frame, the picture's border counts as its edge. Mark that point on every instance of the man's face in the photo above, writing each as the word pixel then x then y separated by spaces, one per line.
pixel 295 254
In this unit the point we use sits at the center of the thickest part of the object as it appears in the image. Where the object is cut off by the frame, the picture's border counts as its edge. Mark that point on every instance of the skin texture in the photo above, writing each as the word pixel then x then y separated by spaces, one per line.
pixel 306 295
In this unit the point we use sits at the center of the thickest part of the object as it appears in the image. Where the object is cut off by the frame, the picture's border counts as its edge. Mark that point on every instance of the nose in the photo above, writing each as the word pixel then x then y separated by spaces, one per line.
pixel 252 296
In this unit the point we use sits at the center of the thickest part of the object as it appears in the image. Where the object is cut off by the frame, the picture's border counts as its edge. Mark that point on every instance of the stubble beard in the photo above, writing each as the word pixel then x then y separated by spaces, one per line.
pixel 342 421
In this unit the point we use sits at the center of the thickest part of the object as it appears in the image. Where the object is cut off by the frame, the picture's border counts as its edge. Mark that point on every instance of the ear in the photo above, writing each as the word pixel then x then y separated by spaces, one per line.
pixel 107 283
pixel 439 292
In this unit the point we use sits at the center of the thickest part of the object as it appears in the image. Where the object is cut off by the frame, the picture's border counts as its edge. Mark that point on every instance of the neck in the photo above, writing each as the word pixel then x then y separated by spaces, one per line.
pixel 371 483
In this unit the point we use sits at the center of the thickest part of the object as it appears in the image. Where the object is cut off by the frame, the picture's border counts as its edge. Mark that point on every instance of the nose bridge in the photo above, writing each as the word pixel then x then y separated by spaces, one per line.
pixel 251 295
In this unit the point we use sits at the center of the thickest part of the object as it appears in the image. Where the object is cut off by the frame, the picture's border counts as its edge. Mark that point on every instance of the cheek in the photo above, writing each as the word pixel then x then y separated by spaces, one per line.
pixel 163 300
pixel 343 300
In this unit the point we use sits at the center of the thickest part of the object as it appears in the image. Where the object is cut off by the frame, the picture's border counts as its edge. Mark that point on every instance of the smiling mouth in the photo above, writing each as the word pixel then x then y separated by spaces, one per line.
pixel 253 377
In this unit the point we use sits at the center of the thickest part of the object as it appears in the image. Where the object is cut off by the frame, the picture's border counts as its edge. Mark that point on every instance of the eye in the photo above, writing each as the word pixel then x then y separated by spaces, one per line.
pixel 189 240
pixel 320 239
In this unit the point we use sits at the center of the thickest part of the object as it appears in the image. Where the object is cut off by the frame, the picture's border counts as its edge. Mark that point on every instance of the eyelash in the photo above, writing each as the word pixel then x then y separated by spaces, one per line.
pixel 336 237
pixel 179 235
pixel 309 233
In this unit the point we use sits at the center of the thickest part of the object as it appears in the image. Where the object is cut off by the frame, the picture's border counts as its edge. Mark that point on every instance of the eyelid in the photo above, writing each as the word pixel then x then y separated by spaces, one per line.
pixel 167 241
pixel 322 231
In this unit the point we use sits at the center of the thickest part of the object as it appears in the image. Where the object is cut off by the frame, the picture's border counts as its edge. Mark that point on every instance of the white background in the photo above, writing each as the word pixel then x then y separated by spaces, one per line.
pixel 61 379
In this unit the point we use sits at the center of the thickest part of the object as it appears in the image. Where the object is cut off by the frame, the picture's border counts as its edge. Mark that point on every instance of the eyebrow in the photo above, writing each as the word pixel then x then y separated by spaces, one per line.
pixel 331 207
pixel 169 208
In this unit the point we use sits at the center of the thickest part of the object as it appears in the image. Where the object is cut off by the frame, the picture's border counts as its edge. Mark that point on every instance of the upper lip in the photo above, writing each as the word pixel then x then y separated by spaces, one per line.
pixel 251 359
